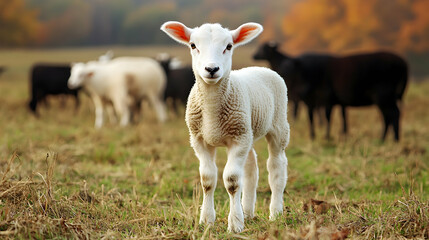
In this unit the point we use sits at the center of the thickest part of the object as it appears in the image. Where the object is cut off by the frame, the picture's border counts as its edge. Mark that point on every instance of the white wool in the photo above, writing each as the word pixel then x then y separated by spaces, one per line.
pixel 123 82
pixel 247 103
pixel 234 109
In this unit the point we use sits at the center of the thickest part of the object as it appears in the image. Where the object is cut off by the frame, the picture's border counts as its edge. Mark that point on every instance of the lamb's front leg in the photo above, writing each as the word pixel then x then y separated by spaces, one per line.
pixel 98 103
pixel 208 175
pixel 233 180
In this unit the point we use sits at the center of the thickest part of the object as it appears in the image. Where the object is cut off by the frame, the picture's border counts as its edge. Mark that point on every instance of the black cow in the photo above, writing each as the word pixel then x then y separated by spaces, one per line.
pixel 179 82
pixel 306 77
pixel 49 79
pixel 357 80
pixel 2 69
pixel 373 78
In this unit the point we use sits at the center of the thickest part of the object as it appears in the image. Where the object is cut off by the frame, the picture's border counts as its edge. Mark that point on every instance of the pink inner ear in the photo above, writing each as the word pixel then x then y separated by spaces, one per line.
pixel 244 31
pixel 178 31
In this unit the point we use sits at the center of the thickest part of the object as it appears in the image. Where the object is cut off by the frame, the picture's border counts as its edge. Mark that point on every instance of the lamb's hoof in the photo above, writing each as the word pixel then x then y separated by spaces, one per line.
pixel 207 217
pixel 235 224
pixel 275 214
pixel 276 210
pixel 249 215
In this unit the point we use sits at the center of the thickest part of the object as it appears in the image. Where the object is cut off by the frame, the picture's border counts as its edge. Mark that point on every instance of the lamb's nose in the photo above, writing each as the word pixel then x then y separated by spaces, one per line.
pixel 212 70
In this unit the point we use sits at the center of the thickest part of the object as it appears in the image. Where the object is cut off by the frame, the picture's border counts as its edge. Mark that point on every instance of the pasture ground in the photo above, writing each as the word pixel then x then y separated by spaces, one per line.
pixel 60 178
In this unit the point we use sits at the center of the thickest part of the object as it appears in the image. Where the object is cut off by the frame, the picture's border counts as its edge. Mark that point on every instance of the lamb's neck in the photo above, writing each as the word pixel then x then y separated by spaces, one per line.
pixel 213 95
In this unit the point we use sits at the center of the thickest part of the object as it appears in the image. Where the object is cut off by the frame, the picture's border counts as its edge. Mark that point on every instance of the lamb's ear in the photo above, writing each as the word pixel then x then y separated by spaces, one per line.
pixel 178 31
pixel 245 33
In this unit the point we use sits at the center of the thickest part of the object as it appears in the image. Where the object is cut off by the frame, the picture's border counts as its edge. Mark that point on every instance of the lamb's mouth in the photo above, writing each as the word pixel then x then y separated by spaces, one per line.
pixel 211 80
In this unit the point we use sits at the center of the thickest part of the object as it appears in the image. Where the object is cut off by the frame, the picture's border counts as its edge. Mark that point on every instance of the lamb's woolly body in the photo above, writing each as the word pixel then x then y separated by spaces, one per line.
pixel 124 82
pixel 219 114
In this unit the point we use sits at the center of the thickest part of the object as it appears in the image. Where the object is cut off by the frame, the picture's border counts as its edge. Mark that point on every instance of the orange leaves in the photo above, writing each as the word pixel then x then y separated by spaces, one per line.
pixel 316 206
pixel 18 23
pixel 331 25
pixel 345 25
pixel 340 234
pixel 315 231
pixel 414 34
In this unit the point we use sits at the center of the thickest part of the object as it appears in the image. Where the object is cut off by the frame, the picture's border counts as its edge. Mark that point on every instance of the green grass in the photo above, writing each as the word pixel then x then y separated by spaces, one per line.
pixel 60 178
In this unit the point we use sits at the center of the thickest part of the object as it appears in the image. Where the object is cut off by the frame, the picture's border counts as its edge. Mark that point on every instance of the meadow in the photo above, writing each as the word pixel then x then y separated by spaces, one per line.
pixel 60 178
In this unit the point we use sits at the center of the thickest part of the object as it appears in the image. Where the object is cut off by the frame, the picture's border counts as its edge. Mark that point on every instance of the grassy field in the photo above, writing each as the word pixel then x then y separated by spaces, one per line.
pixel 60 178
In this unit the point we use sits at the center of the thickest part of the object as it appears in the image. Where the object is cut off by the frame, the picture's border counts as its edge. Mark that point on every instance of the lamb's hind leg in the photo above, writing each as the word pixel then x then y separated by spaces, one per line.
pixel 277 171
pixel 250 183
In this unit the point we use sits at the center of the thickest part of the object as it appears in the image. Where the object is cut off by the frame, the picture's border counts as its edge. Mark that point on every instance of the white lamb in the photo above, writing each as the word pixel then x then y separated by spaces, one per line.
pixel 123 82
pixel 234 109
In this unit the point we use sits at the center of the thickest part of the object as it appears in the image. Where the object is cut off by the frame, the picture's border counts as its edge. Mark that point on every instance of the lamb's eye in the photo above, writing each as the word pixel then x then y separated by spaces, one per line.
pixel 193 46
pixel 229 46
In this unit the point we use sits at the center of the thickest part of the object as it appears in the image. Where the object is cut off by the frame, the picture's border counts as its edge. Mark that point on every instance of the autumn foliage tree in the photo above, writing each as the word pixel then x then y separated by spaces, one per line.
pixel 346 25
pixel 414 34
pixel 18 24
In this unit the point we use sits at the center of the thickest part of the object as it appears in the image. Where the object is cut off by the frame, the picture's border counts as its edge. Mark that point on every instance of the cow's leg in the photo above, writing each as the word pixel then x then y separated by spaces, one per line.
pixel 328 111
pixel 343 112
pixel 310 117
pixel 33 105
pixel 395 120
pixel 295 109
pixel 391 115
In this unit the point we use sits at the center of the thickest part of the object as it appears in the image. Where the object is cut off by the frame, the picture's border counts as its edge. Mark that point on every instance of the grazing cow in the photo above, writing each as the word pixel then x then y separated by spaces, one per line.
pixel 306 77
pixel 180 81
pixel 49 79
pixel 357 80
pixel 376 78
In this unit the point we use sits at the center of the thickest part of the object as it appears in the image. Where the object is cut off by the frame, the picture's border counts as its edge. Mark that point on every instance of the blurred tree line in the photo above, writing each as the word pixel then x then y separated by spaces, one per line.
pixel 335 26
pixel 94 22
pixel 302 25
pixel 350 25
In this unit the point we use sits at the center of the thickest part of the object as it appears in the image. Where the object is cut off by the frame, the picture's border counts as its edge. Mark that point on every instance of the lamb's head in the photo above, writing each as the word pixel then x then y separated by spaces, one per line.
pixel 78 75
pixel 211 46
